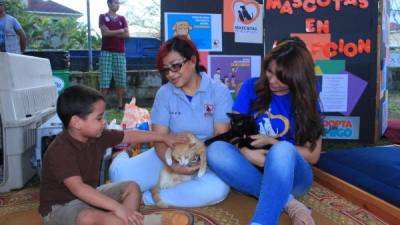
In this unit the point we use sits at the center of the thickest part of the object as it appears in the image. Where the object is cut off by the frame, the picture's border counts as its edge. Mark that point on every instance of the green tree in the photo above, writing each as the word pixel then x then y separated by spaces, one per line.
pixel 43 33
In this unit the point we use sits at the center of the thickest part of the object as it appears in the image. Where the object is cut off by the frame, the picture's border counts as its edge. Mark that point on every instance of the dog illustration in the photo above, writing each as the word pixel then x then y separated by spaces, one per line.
pixel 244 14
pixel 182 28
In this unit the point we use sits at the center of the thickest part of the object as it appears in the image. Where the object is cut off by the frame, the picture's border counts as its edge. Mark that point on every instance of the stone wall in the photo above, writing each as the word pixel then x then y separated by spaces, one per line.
pixel 142 84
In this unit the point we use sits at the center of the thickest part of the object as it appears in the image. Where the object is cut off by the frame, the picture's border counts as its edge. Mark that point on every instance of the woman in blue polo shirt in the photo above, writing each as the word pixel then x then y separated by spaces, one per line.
pixel 190 102
pixel 284 101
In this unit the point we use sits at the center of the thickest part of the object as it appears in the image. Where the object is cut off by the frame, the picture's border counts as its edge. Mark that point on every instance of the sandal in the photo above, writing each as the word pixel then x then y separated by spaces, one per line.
pixel 299 213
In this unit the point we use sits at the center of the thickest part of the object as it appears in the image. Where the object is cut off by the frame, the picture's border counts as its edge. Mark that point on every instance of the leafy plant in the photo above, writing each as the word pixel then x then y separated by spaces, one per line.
pixel 394 104
pixel 44 33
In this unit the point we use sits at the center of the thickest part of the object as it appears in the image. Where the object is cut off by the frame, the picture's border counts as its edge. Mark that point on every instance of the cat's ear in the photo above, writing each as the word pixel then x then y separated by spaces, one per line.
pixel 203 160
pixel 168 157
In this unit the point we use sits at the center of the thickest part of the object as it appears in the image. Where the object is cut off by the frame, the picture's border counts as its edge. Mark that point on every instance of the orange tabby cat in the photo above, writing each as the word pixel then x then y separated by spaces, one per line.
pixel 186 154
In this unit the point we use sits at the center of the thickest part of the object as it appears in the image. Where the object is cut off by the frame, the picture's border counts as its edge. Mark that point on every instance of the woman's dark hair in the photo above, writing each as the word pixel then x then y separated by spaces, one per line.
pixel 295 68
pixel 182 45
pixel 76 100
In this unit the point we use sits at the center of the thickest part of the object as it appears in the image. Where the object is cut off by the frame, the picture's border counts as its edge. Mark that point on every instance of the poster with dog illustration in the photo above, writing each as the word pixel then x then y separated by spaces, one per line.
pixel 205 30
pixel 245 19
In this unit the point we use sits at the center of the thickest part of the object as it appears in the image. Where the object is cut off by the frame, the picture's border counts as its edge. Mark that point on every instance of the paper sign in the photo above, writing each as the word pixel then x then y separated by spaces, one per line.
pixel 340 127
pixel 248 21
pixel 232 70
pixel 205 30
pixel 334 93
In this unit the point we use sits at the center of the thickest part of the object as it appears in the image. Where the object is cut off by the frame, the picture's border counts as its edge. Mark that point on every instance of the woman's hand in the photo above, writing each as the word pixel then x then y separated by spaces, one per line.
pixel 172 139
pixel 256 156
pixel 261 140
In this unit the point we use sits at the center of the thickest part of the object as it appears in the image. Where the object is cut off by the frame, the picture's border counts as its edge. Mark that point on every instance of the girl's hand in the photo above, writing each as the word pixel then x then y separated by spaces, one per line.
pixel 172 139
pixel 256 156
pixel 261 140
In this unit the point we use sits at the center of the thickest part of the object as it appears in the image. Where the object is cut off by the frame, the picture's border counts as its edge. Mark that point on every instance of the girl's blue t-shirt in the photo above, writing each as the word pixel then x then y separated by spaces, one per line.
pixel 278 121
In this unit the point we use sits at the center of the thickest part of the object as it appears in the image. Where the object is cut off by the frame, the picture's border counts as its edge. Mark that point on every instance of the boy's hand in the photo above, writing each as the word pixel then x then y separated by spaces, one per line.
pixel 172 139
pixel 129 218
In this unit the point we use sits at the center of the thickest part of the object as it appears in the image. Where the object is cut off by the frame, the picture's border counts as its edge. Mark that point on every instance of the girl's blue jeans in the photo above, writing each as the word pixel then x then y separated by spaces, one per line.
pixel 286 174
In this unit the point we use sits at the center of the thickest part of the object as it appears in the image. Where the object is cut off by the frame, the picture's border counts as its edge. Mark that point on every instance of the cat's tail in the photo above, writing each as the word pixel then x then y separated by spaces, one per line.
pixel 155 193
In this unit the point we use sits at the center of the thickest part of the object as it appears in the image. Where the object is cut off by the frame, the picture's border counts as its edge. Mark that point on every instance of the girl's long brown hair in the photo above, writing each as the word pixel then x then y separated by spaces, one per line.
pixel 295 68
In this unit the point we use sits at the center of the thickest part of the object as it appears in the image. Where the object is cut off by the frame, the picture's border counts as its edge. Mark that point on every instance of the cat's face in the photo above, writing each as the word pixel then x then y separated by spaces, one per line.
pixel 187 154
pixel 243 123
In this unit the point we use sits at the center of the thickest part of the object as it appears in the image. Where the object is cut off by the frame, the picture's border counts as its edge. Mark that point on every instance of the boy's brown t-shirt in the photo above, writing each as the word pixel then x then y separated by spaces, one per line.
pixel 66 157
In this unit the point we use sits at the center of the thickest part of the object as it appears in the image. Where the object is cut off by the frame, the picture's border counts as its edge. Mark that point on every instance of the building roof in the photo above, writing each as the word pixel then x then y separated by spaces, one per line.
pixel 50 7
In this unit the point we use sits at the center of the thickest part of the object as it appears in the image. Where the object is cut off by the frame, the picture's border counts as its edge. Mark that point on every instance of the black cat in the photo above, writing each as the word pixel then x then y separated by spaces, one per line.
pixel 242 127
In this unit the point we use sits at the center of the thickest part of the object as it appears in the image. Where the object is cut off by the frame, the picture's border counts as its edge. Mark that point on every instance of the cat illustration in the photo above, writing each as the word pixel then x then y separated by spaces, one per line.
pixel 187 154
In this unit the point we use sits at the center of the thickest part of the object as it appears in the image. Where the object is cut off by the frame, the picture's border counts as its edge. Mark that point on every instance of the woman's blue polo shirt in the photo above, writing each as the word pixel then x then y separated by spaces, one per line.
pixel 208 107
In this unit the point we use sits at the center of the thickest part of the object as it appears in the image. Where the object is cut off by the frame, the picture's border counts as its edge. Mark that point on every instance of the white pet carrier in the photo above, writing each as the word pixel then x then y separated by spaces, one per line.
pixel 27 99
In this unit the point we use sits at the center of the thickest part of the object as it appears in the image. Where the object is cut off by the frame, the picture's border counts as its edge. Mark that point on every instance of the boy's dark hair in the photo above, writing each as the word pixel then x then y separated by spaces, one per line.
pixel 76 100
pixel 110 1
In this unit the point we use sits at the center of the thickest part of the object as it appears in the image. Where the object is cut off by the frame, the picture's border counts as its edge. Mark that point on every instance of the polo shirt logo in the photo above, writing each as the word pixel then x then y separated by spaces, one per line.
pixel 209 109
pixel 174 113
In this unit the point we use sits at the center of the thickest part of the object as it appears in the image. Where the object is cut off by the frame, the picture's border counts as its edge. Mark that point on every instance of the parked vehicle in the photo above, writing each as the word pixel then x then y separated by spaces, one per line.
pixel 140 55
pixel 58 58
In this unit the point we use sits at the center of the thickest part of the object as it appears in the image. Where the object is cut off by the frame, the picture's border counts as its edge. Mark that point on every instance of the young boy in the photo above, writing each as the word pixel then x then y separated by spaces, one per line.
pixel 71 165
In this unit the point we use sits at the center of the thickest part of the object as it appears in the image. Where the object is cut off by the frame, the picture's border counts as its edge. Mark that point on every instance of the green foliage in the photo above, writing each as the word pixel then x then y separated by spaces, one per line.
pixel 114 114
pixel 394 104
pixel 46 33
